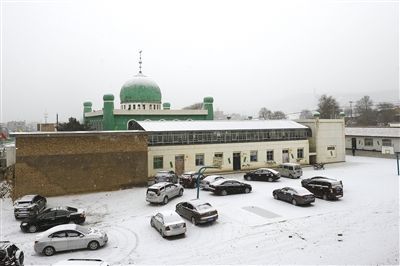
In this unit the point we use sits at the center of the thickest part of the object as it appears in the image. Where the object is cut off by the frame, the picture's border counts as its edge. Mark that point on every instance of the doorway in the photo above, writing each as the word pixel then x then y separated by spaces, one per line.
pixel 236 161
pixel 285 156
pixel 179 164
pixel 354 143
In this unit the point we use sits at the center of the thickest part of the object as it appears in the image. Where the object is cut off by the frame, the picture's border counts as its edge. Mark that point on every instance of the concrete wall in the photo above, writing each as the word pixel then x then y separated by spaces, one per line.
pixel 66 163
pixel 190 151
pixel 327 133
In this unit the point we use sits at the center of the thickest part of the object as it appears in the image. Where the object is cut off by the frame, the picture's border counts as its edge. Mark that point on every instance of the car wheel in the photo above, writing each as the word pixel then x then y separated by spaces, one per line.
pixel 20 260
pixel 275 196
pixel 165 200
pixel 93 245
pixel 294 202
pixel 224 193
pixel 194 221
pixel 269 179
pixel 247 190
pixel 180 193
pixel 325 197
pixel 49 251
pixel 32 229
pixel 248 178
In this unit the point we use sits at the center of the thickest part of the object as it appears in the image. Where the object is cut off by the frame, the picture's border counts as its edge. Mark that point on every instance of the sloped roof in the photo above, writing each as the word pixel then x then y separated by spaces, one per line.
pixel 391 132
pixel 218 125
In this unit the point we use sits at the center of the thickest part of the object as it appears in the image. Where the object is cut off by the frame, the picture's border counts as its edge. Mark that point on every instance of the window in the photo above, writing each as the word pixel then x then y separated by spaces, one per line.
pixel 144 107
pixel 199 159
pixel 368 142
pixel 270 155
pixel 253 156
pixel 386 142
pixel 300 153
pixel 158 162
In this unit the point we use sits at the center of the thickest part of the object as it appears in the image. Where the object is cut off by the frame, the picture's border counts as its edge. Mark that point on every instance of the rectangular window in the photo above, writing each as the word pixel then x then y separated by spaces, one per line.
pixel 368 142
pixel 386 142
pixel 300 153
pixel 158 162
pixel 270 155
pixel 253 156
pixel 217 161
pixel 199 159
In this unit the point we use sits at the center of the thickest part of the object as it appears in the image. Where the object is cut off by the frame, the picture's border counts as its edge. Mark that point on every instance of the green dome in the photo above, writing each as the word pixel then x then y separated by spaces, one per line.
pixel 140 89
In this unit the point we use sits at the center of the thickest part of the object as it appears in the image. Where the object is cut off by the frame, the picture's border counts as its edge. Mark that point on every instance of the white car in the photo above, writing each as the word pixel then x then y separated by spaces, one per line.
pixel 162 192
pixel 205 183
pixel 168 223
pixel 69 237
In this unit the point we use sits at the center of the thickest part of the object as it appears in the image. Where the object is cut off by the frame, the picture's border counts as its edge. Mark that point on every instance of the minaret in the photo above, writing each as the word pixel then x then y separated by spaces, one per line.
pixel 140 62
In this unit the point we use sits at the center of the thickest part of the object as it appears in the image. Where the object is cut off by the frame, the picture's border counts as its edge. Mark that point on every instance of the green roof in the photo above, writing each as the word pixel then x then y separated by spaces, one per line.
pixel 140 89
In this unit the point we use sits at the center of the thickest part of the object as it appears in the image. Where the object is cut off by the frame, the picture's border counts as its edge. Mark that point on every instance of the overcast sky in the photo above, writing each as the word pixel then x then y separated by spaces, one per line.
pixel 247 54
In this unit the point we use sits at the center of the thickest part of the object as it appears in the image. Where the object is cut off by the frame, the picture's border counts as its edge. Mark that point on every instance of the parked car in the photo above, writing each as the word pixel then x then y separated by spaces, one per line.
pixel 323 187
pixel 10 254
pixel 189 179
pixel 263 174
pixel 52 217
pixel 197 211
pixel 168 223
pixel 162 192
pixel 29 206
pixel 294 195
pixel 291 170
pixel 69 237
pixel 79 262
pixel 205 183
pixel 224 187
pixel 166 176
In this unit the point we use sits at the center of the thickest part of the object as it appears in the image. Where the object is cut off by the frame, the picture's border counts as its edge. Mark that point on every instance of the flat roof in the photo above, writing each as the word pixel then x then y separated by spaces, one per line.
pixel 389 132
pixel 218 125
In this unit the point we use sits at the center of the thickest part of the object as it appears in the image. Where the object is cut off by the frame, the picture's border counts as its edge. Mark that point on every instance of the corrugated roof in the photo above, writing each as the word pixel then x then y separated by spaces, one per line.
pixel 219 125
pixel 373 131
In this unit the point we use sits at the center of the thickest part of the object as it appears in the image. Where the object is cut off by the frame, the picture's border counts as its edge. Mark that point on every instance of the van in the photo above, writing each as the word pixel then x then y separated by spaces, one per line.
pixel 323 187
pixel 291 170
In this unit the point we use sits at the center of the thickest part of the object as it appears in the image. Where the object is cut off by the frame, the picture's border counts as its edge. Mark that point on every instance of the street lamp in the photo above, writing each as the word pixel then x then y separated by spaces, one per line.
pixel 200 173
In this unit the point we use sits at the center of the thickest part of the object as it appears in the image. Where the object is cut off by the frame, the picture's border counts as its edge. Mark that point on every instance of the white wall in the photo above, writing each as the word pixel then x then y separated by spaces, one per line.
pixel 377 143
pixel 190 151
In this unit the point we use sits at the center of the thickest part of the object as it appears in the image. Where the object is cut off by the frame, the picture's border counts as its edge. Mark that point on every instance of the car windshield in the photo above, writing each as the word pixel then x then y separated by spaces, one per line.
pixel 297 168
pixel 24 202
pixel 204 206
pixel 84 229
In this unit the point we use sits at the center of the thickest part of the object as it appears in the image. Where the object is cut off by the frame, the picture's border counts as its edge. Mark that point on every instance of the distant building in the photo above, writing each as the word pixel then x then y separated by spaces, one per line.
pixel 17 126
pixel 47 127
pixel 373 139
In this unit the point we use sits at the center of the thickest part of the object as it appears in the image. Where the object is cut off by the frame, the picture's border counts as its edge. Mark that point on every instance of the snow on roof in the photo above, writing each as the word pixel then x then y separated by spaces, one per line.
pixel 219 125
pixel 373 131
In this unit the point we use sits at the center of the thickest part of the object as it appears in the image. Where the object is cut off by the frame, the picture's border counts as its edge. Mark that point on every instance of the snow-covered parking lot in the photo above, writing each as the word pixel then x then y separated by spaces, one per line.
pixel 360 228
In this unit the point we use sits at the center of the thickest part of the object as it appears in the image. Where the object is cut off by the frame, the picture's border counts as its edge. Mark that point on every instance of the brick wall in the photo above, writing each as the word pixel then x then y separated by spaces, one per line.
pixel 62 163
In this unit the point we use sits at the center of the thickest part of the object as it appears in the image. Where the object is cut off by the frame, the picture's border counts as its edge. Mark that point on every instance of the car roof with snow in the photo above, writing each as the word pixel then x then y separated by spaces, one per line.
pixel 323 178
pixel 213 177
pixel 268 169
pixel 301 190
pixel 27 197
pixel 62 227
pixel 69 262
pixel 160 184
pixel 220 181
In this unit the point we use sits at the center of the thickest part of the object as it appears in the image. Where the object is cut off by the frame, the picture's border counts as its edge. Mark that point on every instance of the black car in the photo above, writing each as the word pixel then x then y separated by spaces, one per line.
pixel 29 206
pixel 294 195
pixel 166 176
pixel 52 217
pixel 323 187
pixel 189 179
pixel 229 186
pixel 263 174
pixel 197 211
pixel 10 254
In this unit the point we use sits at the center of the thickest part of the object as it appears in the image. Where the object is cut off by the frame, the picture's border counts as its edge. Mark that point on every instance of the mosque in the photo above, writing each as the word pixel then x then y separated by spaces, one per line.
pixel 140 100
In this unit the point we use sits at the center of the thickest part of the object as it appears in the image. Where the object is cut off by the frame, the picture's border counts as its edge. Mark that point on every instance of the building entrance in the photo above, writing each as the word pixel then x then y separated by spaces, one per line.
pixel 236 161
pixel 285 156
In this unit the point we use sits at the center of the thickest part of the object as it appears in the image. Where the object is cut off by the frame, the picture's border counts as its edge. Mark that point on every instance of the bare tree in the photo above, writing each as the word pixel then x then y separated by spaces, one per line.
pixel 328 107
pixel 278 115
pixel 366 113
pixel 264 113
pixel 195 106
pixel 306 114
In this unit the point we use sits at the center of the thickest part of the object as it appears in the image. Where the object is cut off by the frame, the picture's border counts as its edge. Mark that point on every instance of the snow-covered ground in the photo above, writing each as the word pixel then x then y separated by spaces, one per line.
pixel 360 228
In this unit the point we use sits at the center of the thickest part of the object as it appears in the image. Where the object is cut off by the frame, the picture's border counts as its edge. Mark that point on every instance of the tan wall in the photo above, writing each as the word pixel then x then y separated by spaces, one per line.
pixel 66 163
pixel 190 151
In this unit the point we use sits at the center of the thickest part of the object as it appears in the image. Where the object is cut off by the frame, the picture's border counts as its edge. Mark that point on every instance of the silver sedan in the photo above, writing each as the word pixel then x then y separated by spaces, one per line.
pixel 168 223
pixel 69 237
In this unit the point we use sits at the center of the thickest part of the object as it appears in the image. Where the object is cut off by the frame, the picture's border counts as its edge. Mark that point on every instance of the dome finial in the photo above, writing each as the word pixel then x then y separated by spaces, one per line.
pixel 140 62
